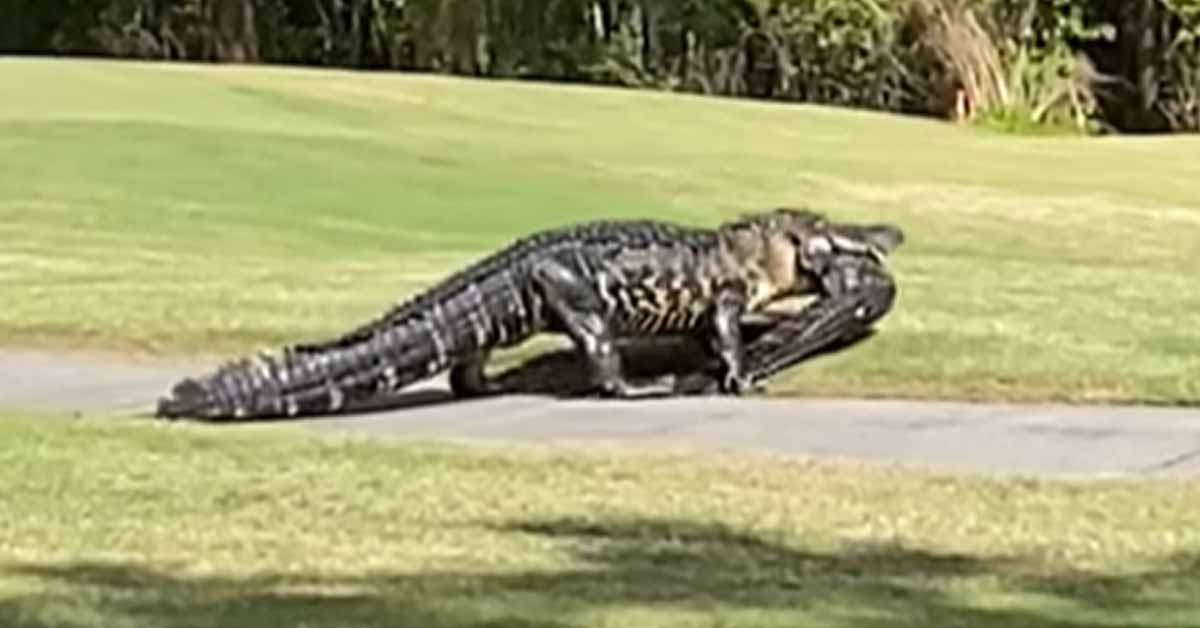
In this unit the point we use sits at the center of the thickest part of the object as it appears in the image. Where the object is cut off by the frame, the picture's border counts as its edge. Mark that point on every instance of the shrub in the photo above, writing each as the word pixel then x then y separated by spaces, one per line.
pixel 1012 63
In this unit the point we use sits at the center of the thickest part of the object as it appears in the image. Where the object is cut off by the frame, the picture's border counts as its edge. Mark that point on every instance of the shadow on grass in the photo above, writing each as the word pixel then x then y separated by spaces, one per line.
pixel 668 572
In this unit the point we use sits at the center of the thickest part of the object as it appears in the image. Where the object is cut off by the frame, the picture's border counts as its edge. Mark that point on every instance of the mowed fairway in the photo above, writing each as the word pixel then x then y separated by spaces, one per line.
pixel 172 209
pixel 165 209
pixel 114 525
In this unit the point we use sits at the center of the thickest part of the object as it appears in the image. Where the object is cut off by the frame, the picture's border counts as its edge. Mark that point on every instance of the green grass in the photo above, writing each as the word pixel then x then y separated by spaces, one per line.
pixel 112 524
pixel 171 209
pixel 165 209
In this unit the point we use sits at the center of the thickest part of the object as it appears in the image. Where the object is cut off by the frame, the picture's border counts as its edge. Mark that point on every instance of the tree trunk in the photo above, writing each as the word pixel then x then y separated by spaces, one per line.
pixel 234 36
pixel 1135 60
pixel 651 50
pixel 356 33
pixel 1145 58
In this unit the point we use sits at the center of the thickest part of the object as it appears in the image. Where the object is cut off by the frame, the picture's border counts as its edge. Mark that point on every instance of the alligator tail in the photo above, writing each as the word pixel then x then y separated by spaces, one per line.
pixel 291 383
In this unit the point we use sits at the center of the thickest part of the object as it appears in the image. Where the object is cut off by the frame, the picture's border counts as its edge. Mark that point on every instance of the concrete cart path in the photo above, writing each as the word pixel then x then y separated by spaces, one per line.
pixel 1026 439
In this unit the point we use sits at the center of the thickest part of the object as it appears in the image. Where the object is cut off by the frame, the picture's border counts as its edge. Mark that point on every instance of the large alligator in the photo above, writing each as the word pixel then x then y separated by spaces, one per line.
pixel 861 292
pixel 597 283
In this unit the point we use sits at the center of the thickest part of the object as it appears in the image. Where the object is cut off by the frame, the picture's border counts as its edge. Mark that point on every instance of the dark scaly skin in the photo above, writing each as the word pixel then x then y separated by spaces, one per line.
pixel 495 303
pixel 597 283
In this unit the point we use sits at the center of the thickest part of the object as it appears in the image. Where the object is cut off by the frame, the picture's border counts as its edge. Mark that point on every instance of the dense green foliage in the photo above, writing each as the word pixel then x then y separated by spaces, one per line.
pixel 1130 65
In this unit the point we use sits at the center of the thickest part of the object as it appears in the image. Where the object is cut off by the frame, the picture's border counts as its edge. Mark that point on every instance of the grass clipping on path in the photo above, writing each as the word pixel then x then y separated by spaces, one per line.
pixel 131 526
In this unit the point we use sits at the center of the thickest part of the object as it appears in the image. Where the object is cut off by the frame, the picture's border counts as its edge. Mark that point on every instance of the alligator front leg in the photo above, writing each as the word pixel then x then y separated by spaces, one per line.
pixel 858 294
pixel 727 339
pixel 580 310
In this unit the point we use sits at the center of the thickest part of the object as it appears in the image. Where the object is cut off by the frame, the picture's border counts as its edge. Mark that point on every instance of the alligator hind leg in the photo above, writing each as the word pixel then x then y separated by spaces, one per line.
pixel 581 311
pixel 467 378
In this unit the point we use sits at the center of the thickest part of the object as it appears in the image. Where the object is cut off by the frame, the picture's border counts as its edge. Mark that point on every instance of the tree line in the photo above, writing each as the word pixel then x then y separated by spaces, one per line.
pixel 1093 65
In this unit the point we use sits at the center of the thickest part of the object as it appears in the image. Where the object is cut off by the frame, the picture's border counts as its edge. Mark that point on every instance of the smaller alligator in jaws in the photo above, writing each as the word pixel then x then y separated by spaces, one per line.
pixel 597 283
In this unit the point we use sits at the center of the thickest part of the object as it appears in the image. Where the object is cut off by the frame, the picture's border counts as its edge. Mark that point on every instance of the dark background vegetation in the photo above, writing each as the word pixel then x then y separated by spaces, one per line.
pixel 1091 65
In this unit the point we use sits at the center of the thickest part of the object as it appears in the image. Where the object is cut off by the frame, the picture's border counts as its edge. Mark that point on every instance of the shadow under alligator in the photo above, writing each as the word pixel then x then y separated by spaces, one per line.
pixel 563 373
